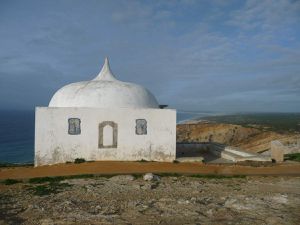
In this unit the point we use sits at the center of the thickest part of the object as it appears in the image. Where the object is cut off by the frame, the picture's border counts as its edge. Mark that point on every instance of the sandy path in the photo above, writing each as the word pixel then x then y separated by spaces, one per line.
pixel 113 167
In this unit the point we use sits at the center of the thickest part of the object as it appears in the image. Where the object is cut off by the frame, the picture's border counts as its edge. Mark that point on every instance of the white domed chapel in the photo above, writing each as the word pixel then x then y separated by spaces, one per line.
pixel 104 91
pixel 104 119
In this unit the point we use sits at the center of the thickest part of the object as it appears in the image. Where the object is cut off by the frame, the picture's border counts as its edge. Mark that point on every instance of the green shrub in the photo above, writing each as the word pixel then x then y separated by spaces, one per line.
pixel 11 181
pixel 293 157
pixel 3 164
pixel 47 189
pixel 39 180
pixel 143 160
pixel 79 176
pixel 169 174
pixel 137 175
pixel 217 176
pixel 79 160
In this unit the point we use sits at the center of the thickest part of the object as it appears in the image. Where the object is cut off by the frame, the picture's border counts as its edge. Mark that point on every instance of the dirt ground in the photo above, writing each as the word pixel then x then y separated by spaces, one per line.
pixel 112 167
pixel 125 199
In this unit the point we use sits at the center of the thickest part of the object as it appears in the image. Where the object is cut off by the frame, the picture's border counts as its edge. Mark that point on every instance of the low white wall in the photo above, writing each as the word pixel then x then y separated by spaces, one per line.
pixel 53 144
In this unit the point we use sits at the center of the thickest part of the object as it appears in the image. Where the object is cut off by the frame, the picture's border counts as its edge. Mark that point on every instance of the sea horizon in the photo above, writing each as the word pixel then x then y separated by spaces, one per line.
pixel 17 132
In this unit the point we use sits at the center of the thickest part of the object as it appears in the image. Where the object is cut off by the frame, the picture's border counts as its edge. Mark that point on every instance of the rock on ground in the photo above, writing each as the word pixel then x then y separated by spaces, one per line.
pixel 151 177
pixel 171 200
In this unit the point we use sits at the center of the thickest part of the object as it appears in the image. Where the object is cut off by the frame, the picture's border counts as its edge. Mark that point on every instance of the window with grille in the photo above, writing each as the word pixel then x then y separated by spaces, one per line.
pixel 74 126
pixel 141 127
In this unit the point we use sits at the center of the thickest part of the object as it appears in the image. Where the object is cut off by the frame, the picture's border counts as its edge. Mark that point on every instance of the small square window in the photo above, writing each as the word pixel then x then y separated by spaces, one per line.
pixel 74 126
pixel 141 127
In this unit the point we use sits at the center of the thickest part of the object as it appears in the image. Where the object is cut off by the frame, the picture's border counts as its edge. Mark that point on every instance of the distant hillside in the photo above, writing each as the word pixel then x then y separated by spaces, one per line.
pixel 278 122
pixel 249 132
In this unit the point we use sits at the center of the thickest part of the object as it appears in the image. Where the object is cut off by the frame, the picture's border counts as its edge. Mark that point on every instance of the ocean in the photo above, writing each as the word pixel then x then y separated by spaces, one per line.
pixel 17 134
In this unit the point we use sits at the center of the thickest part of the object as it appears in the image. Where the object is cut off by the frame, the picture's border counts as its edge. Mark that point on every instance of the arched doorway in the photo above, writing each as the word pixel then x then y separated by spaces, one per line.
pixel 108 135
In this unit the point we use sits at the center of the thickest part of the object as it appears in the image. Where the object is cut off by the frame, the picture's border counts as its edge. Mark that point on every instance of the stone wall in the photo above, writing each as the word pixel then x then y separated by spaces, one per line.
pixel 278 150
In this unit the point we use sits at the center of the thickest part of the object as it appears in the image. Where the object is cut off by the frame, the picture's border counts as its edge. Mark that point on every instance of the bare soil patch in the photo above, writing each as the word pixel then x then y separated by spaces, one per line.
pixel 113 167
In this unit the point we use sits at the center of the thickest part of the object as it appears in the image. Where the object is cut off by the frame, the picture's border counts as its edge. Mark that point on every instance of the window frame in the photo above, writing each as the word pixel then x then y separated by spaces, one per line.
pixel 77 130
pixel 145 131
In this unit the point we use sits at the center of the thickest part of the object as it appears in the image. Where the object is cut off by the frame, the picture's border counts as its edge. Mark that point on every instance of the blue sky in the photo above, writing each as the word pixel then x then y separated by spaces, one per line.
pixel 226 56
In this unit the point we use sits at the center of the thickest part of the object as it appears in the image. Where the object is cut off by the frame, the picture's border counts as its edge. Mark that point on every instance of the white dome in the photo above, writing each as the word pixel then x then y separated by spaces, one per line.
pixel 105 91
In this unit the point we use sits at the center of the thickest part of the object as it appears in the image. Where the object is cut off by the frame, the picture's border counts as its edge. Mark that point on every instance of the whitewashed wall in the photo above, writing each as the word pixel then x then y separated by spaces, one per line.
pixel 53 144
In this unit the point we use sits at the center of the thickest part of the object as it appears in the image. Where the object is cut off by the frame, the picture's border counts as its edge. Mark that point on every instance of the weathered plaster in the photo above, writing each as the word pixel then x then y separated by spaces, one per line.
pixel 53 144
pixel 141 126
pixel 105 91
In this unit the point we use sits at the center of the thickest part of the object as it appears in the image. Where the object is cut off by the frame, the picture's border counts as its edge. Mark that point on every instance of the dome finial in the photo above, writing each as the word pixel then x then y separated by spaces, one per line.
pixel 105 73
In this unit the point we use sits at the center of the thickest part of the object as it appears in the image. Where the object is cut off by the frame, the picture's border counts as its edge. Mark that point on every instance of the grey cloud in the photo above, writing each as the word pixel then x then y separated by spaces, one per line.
pixel 210 62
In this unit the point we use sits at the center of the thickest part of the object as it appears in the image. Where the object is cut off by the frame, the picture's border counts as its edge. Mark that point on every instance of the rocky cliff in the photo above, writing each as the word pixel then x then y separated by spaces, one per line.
pixel 247 138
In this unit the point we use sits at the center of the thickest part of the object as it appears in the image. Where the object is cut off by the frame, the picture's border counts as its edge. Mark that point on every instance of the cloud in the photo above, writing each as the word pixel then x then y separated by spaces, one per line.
pixel 208 55
pixel 265 15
